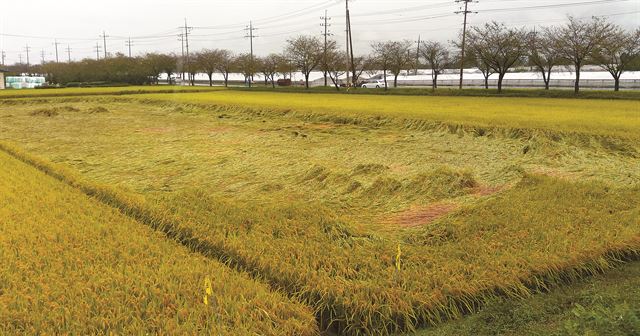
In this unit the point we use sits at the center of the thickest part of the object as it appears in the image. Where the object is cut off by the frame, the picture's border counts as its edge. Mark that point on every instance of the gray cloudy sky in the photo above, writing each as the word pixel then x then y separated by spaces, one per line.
pixel 153 24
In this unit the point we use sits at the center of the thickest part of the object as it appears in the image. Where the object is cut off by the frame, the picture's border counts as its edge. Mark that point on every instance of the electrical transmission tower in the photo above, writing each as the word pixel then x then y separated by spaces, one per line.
pixel 129 44
pixel 69 52
pixel 42 56
pixel 187 61
pixel 326 35
pixel 104 41
pixel 250 35
pixel 465 12
pixel 56 45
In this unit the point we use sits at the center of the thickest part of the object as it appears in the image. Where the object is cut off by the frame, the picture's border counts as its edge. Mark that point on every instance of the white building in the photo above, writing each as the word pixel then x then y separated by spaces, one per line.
pixel 2 86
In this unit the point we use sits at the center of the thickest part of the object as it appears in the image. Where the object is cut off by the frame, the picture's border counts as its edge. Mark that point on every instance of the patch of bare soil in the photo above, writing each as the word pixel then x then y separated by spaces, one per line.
pixel 422 215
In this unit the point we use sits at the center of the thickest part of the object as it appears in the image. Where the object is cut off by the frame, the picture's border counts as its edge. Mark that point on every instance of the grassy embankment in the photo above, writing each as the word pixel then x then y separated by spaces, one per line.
pixel 310 188
pixel 71 265
pixel 606 304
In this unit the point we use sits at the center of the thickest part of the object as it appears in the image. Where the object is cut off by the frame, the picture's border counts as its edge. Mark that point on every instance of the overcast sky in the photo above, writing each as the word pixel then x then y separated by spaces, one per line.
pixel 154 24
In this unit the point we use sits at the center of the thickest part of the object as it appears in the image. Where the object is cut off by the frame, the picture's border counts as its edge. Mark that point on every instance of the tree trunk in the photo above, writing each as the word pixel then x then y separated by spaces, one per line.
pixel 395 80
pixel 435 81
pixel 325 79
pixel 273 82
pixel 500 78
pixel 486 81
pixel 386 87
pixel 617 83
pixel 226 79
pixel 210 78
pixel 577 83
pixel 306 80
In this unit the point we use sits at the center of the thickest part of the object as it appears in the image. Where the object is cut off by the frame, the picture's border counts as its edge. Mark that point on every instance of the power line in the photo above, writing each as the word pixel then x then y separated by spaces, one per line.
pixel 466 11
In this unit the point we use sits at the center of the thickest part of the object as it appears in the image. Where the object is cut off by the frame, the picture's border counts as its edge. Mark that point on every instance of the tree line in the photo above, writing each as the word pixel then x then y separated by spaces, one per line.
pixel 493 48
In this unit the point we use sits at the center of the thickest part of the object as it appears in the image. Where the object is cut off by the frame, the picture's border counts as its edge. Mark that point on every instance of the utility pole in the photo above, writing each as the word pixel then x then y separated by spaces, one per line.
pixel 27 49
pixel 353 66
pixel 104 41
pixel 97 51
pixel 250 29
pixel 181 39
pixel 128 43
pixel 326 34
pixel 42 55
pixel 347 34
pixel 464 35
pixel 418 55
pixel 3 55
pixel 187 29
pixel 69 52
pixel 56 44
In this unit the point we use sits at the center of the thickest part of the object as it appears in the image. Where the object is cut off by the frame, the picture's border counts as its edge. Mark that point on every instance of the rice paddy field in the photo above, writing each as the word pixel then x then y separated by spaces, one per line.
pixel 346 214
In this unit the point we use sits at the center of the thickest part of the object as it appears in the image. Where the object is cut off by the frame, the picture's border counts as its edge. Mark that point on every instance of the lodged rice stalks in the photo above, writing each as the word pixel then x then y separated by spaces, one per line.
pixel 71 265
pixel 542 232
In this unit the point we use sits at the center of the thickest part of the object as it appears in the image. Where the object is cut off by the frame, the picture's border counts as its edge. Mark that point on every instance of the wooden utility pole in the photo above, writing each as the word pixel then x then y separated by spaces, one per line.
pixel 326 34
pixel 464 36
pixel 347 39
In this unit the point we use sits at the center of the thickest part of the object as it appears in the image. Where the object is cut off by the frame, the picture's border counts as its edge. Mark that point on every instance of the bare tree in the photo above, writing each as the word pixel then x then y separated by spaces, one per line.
pixel 399 58
pixel 246 64
pixel 335 65
pixel 158 63
pixel 382 58
pixel 306 53
pixel 498 46
pixel 359 66
pixel 542 54
pixel 226 64
pixel 438 57
pixel 285 66
pixel 208 61
pixel 617 52
pixel 269 67
pixel 577 40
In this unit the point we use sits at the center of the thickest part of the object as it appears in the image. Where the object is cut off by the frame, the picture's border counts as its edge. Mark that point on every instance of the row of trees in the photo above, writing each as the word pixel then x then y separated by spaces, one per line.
pixel 492 48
